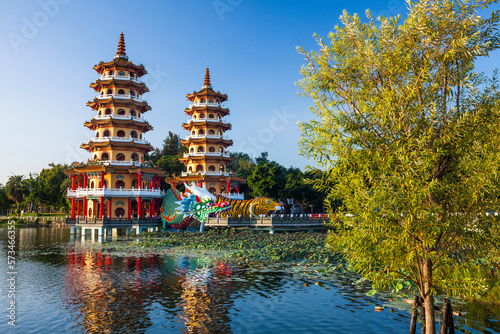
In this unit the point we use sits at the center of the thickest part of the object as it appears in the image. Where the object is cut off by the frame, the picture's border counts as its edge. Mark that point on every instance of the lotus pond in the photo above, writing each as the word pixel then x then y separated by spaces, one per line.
pixel 216 282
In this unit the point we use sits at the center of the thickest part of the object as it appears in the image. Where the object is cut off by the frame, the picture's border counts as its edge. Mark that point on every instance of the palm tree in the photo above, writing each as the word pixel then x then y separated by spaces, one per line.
pixel 13 189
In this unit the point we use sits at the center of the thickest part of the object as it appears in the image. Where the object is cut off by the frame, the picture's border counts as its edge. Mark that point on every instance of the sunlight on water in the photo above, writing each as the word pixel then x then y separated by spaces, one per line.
pixel 80 287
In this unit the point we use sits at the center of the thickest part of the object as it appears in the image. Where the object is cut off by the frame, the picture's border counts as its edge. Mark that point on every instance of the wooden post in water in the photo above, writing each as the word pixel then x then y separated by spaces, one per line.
pixel 449 318
pixel 444 323
pixel 422 315
pixel 414 316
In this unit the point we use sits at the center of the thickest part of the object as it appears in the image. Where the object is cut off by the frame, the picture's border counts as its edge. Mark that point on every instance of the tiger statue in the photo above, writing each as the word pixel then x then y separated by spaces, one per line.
pixel 248 208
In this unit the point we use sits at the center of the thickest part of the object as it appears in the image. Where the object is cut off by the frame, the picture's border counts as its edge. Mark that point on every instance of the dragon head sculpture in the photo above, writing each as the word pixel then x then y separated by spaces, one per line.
pixel 178 209
pixel 200 203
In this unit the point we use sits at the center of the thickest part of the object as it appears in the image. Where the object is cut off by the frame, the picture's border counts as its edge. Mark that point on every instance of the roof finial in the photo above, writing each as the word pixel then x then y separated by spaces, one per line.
pixel 121 46
pixel 207 79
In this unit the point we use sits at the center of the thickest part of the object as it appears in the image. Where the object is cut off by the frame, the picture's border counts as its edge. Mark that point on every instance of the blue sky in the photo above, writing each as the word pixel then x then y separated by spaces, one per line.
pixel 48 48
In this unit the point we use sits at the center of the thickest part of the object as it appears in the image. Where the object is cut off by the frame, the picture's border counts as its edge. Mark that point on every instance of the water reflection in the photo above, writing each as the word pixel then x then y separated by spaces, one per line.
pixel 111 293
pixel 87 287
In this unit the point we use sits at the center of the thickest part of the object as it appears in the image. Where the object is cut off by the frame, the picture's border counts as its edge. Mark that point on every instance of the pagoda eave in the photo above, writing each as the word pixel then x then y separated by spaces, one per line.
pixel 225 142
pixel 96 104
pixel 207 92
pixel 223 112
pixel 138 125
pixel 100 84
pixel 147 169
pixel 120 63
pixel 224 126
pixel 116 145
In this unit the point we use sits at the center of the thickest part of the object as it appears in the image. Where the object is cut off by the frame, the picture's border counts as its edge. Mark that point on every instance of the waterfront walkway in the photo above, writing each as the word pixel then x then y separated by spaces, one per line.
pixel 273 224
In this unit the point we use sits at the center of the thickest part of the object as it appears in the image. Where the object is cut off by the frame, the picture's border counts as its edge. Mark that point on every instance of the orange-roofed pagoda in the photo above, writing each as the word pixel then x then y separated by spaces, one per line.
pixel 116 188
pixel 207 157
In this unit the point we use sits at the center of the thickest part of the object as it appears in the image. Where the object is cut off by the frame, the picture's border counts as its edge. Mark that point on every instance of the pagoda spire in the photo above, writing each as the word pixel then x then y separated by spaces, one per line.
pixel 206 83
pixel 121 47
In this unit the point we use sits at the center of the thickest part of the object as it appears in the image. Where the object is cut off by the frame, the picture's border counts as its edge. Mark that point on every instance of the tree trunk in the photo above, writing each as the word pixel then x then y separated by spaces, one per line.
pixel 430 317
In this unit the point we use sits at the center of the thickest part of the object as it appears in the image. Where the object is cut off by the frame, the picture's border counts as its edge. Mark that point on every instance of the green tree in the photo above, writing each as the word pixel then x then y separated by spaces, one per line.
pixel 410 143
pixel 263 159
pixel 49 185
pixel 14 189
pixel 242 165
pixel 5 202
pixel 33 191
pixel 267 180
pixel 171 144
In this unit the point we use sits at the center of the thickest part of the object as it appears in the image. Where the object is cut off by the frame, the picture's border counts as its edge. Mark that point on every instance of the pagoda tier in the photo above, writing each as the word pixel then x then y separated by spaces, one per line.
pixel 115 81
pixel 117 143
pixel 214 108
pixel 209 139
pixel 123 100
pixel 125 121
pixel 207 157
pixel 200 123
pixel 116 185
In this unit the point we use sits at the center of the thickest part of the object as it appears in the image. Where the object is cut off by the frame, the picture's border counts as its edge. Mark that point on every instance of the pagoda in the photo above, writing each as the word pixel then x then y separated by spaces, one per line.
pixel 207 157
pixel 116 188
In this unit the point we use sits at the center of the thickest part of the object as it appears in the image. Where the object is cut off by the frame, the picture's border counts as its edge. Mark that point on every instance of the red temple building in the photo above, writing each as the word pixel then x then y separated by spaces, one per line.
pixel 207 157
pixel 116 188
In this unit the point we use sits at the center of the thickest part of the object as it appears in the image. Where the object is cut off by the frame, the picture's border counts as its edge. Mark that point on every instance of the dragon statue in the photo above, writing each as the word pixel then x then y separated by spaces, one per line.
pixel 179 209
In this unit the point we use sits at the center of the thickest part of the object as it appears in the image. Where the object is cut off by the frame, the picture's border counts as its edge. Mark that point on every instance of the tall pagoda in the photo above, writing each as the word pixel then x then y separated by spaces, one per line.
pixel 116 188
pixel 207 157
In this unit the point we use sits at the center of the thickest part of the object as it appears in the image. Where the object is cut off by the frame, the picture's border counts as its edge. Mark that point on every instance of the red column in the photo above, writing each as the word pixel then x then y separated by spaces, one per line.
pixel 85 207
pixel 139 204
pixel 201 184
pixel 79 211
pixel 150 184
pixel 129 209
pixel 153 211
pixel 101 206
pixel 85 181
pixel 101 184
pixel 139 179
pixel 151 206
pixel 228 185
pixel 238 188
pixel 158 183
pixel 73 187
pixel 93 208
pixel 73 208
pixel 109 208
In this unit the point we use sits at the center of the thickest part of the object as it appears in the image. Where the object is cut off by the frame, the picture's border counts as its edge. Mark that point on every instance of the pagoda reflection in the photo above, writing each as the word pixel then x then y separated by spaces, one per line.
pixel 110 294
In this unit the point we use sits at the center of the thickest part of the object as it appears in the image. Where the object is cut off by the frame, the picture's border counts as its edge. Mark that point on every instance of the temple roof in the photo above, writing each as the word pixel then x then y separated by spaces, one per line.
pixel 190 125
pixel 207 90
pixel 112 82
pixel 222 111
pixel 143 126
pixel 120 61
pixel 96 104
pixel 205 158
pixel 221 141
pixel 147 169
pixel 114 145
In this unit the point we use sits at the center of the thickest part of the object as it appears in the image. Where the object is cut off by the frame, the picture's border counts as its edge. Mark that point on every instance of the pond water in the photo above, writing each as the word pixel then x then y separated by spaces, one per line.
pixel 80 287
